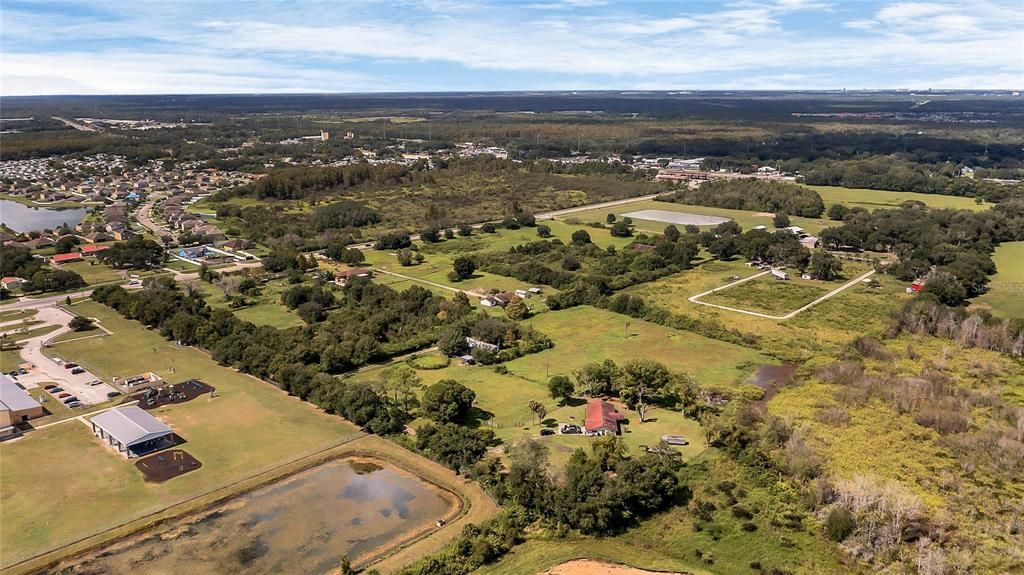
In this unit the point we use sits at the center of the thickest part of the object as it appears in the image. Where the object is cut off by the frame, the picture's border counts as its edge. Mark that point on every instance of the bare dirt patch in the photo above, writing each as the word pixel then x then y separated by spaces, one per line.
pixel 167 465
pixel 592 567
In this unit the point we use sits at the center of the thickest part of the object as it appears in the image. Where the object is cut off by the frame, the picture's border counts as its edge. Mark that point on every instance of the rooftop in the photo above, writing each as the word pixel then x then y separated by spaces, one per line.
pixel 13 397
pixel 130 425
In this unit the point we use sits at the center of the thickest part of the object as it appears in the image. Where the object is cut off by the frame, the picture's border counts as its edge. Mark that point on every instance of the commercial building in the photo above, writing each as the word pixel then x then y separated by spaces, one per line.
pixel 16 406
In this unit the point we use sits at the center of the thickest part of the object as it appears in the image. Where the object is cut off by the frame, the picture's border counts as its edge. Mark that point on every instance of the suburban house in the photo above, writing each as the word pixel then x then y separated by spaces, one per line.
pixel 65 258
pixel 96 237
pixel 39 243
pixel 341 277
pixel 11 283
pixel 16 406
pixel 602 418
pixel 497 300
pixel 93 249
pixel 132 431
pixel 194 253
pixel 237 244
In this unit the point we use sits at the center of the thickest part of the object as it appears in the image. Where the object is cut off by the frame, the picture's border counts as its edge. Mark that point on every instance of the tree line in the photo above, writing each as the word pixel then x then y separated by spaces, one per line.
pixel 751 195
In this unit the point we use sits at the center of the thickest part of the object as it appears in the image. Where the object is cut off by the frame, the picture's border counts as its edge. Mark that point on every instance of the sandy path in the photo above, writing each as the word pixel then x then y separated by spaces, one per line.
pixel 593 567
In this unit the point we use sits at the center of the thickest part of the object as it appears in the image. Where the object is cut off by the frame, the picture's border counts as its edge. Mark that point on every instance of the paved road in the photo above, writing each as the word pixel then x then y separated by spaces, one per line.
pixel 76 125
pixel 847 285
pixel 142 216
pixel 46 370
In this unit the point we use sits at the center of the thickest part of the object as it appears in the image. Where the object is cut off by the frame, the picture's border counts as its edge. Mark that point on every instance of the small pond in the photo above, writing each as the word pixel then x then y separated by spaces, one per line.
pixel 22 218
pixel 301 524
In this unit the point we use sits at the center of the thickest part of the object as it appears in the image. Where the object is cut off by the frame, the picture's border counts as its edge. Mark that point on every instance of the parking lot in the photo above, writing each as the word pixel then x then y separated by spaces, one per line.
pixel 78 385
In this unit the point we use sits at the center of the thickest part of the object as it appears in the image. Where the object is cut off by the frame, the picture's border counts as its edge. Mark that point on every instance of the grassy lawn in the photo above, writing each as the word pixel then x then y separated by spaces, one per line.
pixel 883 199
pixel 9 359
pixel 1006 290
pixel 32 332
pixel 746 220
pixel 94 272
pixel 768 295
pixel 827 326
pixel 16 314
pixel 180 265
pixel 502 399
pixel 248 427
pixel 267 309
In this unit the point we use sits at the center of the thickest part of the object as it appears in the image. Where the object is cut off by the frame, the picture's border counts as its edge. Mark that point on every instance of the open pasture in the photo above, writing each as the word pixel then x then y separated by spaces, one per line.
pixel 1006 291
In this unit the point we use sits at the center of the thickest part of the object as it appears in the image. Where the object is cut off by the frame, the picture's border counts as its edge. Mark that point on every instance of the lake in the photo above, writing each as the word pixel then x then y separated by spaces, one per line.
pixel 22 218
pixel 300 524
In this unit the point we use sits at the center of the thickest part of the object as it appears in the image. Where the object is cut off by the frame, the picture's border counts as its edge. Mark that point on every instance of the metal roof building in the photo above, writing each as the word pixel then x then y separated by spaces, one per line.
pixel 13 397
pixel 132 431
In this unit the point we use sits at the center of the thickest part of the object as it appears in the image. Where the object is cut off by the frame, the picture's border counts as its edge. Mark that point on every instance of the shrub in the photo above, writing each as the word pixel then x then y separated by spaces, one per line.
pixel 839 524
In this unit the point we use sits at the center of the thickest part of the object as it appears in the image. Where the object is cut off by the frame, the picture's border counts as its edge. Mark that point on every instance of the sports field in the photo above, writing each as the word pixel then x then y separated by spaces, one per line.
pixel 1006 290
pixel 58 484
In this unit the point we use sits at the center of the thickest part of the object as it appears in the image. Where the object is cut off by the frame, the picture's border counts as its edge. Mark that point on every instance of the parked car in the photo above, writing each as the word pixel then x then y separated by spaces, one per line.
pixel 13 373
pixel 113 393
pixel 75 404
pixel 63 395
pixel 77 371
pixel 70 365
pixel 545 432
pixel 22 371
pixel 95 382
pixel 49 386
pixel 55 389
pixel 71 399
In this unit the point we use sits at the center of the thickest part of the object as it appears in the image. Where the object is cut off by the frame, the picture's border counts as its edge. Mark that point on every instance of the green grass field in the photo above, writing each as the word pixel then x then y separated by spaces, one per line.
pixel 769 295
pixel 884 199
pixel 856 311
pixel 248 427
pixel 1006 290
pixel 267 309
pixel 93 272
pixel 582 335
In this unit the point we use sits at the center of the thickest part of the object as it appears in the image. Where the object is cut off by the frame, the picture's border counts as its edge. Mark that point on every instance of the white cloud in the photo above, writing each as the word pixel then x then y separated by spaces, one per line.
pixel 355 47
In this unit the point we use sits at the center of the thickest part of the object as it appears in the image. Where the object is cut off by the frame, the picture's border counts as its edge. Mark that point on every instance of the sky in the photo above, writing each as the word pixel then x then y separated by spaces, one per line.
pixel 244 46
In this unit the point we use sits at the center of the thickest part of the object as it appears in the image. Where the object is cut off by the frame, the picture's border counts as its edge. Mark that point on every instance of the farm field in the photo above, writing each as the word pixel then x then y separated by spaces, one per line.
pixel 1006 290
pixel 882 199
pixel 746 220
pixel 502 399
pixel 247 428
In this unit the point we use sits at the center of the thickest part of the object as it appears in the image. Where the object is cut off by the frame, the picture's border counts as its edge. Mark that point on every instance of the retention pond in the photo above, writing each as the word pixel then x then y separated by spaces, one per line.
pixel 300 524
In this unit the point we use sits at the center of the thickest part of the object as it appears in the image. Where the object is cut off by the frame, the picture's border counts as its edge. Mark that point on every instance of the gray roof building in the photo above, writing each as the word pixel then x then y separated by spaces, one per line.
pixel 13 397
pixel 132 430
